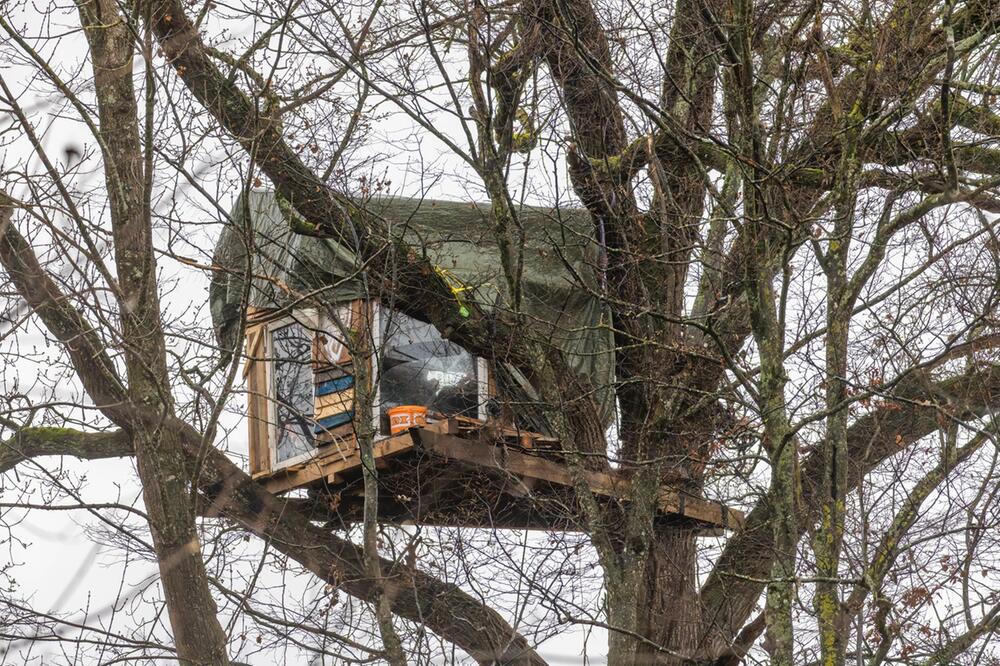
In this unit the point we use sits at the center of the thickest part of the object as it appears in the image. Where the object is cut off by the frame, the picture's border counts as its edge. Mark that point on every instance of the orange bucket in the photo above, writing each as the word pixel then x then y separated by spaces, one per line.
pixel 405 417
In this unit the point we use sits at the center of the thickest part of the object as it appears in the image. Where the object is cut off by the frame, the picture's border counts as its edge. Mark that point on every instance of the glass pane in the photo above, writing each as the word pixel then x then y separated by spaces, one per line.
pixel 293 390
pixel 419 367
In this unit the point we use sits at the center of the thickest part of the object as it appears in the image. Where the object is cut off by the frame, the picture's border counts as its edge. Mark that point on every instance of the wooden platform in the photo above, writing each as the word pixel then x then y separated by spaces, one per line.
pixel 453 473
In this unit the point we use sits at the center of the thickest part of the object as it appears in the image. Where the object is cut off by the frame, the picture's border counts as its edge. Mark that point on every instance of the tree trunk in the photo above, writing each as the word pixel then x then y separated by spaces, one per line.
pixel 669 607
pixel 167 491
pixel 198 636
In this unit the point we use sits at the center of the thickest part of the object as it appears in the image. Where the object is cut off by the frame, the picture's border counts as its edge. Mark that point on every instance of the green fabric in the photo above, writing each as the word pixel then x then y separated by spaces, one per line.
pixel 457 238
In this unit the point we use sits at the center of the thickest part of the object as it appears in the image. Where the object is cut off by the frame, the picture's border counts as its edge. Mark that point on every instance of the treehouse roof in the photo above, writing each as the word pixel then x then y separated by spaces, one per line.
pixel 560 273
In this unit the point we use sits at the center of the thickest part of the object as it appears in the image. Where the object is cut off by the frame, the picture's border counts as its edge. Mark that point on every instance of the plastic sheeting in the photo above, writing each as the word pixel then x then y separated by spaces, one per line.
pixel 418 367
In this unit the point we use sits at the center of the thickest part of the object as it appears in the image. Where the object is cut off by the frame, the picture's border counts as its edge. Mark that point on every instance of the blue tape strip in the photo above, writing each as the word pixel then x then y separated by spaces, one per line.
pixel 331 422
pixel 335 385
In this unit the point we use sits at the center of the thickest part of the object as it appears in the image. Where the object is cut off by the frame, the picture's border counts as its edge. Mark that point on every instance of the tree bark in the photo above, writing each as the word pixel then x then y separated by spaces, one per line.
pixel 163 472
pixel 670 608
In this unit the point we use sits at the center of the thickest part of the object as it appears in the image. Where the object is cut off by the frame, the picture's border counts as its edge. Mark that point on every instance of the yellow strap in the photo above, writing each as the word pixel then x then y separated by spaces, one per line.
pixel 456 287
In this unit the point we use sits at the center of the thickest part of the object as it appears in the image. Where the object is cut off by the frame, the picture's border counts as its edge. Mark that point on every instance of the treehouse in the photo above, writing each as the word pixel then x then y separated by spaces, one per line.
pixel 329 358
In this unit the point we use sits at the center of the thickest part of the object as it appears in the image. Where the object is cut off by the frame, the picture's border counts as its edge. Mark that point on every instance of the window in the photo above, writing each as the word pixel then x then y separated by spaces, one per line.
pixel 292 388
pixel 419 367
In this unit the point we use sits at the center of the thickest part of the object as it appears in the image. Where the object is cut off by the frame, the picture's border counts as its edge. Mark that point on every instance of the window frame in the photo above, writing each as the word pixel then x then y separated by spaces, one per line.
pixel 309 318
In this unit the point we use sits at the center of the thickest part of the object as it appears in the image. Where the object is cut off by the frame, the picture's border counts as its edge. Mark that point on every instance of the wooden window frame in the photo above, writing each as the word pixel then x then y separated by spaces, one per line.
pixel 309 319
pixel 313 320
pixel 254 373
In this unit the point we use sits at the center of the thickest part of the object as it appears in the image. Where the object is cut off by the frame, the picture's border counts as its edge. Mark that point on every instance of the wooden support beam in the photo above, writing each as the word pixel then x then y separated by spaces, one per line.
pixel 671 501
pixel 328 464
pixel 528 474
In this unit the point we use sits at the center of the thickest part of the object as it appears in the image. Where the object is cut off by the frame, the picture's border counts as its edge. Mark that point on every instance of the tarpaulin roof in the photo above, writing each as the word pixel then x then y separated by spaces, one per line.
pixel 560 274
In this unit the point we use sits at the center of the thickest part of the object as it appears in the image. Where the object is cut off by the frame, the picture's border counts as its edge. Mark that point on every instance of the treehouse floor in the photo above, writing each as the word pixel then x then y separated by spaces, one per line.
pixel 456 473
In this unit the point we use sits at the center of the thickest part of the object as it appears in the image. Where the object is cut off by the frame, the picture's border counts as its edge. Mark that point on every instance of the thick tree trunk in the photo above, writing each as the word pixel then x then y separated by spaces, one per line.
pixel 669 607
pixel 653 605
pixel 198 636
pixel 167 491
pixel 658 615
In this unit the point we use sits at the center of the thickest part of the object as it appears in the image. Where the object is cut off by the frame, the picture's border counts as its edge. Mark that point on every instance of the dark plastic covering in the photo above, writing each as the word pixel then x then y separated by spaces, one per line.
pixel 457 237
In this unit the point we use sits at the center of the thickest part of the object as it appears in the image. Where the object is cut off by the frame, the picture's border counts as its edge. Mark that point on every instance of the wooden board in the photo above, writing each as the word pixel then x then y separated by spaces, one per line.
pixel 334 403
pixel 331 372
pixel 330 346
pixel 255 373
pixel 342 437
pixel 671 501
pixel 335 385
pixel 329 462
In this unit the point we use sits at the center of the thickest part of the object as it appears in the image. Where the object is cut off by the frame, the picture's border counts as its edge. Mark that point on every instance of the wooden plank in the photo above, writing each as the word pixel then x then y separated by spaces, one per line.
pixel 335 385
pixel 524 438
pixel 332 372
pixel 327 423
pixel 341 437
pixel 602 483
pixel 331 463
pixel 328 349
pixel 329 345
pixel 334 403
pixel 255 373
pixel 254 337
pixel 257 315
pixel 303 474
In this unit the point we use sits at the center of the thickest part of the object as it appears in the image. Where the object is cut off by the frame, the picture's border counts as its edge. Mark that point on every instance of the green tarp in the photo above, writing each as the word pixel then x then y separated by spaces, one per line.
pixel 560 276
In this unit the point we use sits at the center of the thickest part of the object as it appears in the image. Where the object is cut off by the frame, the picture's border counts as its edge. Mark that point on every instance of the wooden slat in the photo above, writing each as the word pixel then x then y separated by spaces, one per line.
pixel 334 403
pixel 327 464
pixel 254 348
pixel 484 455
pixel 255 373
pixel 357 324
pixel 343 436
pixel 332 372
pixel 353 313
pixel 335 385
pixel 333 421
pixel 256 315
